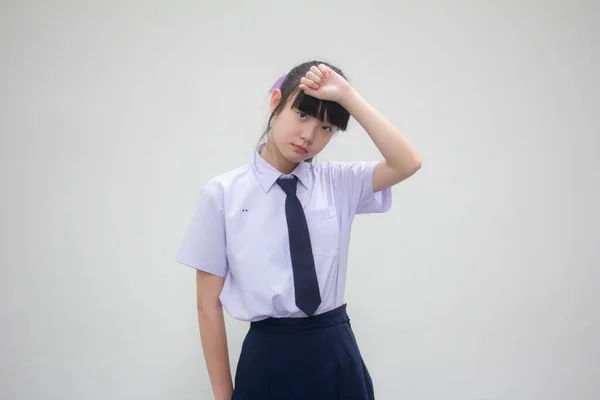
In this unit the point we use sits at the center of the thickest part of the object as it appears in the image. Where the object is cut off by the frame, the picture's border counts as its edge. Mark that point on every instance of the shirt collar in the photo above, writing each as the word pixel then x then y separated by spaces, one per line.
pixel 267 174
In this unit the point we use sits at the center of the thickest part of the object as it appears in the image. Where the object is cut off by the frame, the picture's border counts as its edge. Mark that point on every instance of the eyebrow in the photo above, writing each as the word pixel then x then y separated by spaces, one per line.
pixel 329 124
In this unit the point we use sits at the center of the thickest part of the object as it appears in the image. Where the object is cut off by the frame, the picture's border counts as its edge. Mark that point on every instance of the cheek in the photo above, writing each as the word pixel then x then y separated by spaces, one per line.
pixel 277 129
pixel 285 130
pixel 322 141
pixel 326 137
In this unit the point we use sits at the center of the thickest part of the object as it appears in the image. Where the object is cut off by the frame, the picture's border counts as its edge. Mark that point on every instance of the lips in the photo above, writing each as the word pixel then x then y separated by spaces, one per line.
pixel 300 148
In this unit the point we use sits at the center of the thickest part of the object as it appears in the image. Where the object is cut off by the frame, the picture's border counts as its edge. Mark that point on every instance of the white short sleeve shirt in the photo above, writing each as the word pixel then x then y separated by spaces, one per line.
pixel 239 231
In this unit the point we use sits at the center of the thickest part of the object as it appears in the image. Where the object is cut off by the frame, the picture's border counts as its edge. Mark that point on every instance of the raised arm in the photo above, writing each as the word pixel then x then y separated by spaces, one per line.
pixel 400 158
pixel 213 334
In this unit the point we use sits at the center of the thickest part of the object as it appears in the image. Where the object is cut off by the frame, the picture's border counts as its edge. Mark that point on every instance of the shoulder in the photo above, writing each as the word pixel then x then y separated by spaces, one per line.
pixel 328 167
pixel 229 178
pixel 216 187
pixel 338 169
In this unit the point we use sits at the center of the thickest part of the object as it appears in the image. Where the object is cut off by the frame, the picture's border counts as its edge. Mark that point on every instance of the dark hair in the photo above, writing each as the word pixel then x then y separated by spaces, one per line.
pixel 336 114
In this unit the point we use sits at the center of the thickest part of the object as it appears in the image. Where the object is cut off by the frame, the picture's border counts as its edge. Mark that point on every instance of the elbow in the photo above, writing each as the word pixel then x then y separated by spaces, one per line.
pixel 408 170
pixel 416 163
pixel 208 304
pixel 408 166
pixel 412 167
pixel 207 293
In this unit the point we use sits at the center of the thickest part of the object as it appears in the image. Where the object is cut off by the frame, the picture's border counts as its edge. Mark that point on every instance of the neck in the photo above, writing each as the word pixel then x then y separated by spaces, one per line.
pixel 274 157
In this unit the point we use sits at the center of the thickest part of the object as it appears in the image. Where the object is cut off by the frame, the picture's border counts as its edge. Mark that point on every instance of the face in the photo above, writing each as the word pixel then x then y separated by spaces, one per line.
pixel 297 135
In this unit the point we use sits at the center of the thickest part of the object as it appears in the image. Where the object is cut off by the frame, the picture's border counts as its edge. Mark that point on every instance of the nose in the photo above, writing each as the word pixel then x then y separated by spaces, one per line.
pixel 309 132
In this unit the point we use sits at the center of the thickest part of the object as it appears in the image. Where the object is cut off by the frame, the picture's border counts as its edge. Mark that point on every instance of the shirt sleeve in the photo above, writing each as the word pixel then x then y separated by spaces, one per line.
pixel 203 245
pixel 353 183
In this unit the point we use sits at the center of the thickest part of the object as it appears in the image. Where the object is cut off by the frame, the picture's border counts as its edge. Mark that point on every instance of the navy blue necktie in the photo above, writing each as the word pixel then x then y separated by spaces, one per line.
pixel 306 285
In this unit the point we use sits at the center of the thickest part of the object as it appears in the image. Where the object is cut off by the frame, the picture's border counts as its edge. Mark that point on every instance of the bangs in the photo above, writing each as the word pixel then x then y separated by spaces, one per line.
pixel 326 111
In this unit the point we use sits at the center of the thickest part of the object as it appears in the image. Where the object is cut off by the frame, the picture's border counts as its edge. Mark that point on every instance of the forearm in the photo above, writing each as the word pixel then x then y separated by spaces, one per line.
pixel 216 354
pixel 395 148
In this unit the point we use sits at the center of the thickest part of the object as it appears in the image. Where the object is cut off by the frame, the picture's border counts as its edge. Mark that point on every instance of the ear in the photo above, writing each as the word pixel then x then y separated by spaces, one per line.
pixel 275 99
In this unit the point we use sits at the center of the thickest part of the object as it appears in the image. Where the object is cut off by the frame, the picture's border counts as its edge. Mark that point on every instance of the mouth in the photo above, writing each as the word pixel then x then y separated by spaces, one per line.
pixel 299 149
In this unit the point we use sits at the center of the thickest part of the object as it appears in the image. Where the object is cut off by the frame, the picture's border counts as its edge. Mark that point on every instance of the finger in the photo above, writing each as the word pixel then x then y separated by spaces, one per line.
pixel 307 90
pixel 309 83
pixel 312 76
pixel 317 71
pixel 323 69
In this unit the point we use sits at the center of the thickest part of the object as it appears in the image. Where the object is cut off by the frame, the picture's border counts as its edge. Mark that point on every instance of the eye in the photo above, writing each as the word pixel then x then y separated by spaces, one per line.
pixel 302 114
pixel 328 129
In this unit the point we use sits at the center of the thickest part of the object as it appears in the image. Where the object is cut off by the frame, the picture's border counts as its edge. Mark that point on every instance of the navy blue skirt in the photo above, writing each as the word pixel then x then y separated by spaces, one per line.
pixel 312 358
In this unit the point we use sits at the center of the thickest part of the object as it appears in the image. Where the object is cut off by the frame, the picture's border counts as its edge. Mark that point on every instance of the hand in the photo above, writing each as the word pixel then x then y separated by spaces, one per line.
pixel 325 84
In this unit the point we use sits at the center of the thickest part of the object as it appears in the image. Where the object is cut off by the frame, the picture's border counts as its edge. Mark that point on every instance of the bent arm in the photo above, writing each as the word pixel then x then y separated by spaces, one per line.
pixel 400 158
pixel 213 334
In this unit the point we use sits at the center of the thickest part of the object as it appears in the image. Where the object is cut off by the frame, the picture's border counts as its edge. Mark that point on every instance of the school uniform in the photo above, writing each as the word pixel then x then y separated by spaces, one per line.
pixel 242 230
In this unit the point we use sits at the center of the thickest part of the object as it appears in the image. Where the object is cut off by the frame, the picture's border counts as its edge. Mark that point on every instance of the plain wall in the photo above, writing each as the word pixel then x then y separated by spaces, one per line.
pixel 481 283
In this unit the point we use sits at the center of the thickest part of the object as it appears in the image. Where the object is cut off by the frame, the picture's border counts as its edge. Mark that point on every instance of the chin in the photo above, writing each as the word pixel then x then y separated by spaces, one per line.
pixel 301 157
pixel 295 158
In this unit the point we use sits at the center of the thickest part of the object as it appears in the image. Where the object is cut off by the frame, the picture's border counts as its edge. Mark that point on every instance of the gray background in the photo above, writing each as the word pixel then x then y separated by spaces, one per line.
pixel 481 283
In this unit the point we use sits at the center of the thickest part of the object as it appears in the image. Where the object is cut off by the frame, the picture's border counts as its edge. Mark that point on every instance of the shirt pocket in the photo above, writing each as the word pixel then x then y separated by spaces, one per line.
pixel 324 229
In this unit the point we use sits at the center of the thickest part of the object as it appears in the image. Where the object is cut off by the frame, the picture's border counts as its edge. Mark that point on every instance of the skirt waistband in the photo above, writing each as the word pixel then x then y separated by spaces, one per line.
pixel 289 325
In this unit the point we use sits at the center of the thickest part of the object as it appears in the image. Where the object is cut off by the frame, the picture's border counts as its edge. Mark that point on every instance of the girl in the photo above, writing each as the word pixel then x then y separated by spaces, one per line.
pixel 269 241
